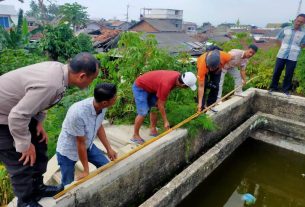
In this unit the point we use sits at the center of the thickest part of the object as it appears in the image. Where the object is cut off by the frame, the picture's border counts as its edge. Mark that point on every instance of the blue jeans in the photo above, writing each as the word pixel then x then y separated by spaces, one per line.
pixel 144 100
pixel 67 166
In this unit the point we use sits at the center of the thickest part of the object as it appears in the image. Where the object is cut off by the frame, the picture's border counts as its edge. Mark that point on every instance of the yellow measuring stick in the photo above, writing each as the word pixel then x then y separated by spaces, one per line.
pixel 108 165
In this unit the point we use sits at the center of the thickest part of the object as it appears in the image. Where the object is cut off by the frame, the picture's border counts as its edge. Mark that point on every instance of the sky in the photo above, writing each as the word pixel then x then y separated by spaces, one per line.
pixel 252 12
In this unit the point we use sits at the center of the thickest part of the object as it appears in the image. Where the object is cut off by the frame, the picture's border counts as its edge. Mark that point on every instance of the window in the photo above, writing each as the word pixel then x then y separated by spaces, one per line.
pixel 4 22
pixel 190 28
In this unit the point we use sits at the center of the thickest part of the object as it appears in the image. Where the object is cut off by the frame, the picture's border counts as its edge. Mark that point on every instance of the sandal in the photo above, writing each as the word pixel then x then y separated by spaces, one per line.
pixel 153 134
pixel 137 141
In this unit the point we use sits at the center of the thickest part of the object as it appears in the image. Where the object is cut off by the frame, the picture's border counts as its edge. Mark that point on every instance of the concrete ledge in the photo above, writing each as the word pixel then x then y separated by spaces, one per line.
pixel 279 140
pixel 282 132
pixel 178 188
pixel 278 104
pixel 132 178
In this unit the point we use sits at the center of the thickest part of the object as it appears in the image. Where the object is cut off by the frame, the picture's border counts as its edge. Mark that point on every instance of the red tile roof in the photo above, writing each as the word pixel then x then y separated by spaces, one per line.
pixel 36 36
pixel 106 35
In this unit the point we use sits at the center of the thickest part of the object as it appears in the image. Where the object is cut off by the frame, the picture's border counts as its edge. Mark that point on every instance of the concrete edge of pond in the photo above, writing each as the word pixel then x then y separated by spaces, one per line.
pixel 261 127
pixel 180 186
pixel 84 194
pixel 281 132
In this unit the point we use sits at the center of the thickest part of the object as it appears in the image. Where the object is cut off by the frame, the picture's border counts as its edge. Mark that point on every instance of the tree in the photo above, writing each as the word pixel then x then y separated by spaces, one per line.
pixel 74 13
pixel 43 13
pixel 60 43
pixel 286 24
pixel 238 22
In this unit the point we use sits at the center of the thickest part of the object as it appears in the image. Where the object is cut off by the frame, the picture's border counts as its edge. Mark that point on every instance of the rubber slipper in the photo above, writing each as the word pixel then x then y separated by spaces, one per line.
pixel 137 141
pixel 153 134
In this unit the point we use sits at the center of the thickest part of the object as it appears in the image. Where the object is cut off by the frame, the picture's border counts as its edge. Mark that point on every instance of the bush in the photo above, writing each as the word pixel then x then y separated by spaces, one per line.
pixel 60 42
pixel 13 59
pixel 6 192
pixel 138 55
pixel 262 65
pixel 300 74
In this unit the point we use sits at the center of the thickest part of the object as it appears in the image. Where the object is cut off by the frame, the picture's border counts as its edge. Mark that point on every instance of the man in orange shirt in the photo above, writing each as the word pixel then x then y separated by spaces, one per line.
pixel 209 66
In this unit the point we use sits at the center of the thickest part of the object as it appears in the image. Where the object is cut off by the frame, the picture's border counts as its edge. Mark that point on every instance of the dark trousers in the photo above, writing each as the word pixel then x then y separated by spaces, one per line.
pixel 211 82
pixel 279 66
pixel 24 179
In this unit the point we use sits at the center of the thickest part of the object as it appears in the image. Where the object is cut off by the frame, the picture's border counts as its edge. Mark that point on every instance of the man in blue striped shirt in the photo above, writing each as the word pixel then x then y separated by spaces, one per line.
pixel 292 39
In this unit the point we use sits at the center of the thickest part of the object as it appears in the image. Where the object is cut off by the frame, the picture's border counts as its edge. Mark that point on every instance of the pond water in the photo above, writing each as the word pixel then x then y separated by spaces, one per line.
pixel 274 176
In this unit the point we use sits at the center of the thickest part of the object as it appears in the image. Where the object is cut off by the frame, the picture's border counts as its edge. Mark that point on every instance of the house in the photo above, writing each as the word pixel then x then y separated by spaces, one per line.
pixel 220 37
pixel 31 21
pixel 175 42
pixel 171 16
pixel 154 25
pixel 107 39
pixel 117 24
pixel 274 25
pixel 189 28
pixel 224 27
pixel 8 16
pixel 206 27
pixel 240 28
pixel 264 34
pixel 92 27
pixel 166 26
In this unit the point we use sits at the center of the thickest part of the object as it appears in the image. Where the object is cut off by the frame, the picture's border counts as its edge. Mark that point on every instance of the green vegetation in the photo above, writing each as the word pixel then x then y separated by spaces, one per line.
pixel 136 56
pixel 17 37
pixel 60 43
pixel 74 13
pixel 12 59
pixel 6 192
pixel 43 13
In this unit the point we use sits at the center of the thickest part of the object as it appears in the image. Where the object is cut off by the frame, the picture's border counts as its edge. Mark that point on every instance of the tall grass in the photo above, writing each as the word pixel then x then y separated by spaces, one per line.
pixel 6 192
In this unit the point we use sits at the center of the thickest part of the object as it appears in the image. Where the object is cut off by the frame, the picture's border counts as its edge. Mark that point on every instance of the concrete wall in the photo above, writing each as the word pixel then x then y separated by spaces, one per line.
pixel 278 105
pixel 184 183
pixel 287 125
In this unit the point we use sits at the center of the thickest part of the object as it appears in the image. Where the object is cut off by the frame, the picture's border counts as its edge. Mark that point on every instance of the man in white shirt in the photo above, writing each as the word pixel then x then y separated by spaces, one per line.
pixel 239 59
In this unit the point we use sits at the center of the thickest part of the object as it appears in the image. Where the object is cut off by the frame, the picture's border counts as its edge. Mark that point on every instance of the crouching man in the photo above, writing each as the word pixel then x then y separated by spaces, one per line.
pixel 152 89
pixel 82 124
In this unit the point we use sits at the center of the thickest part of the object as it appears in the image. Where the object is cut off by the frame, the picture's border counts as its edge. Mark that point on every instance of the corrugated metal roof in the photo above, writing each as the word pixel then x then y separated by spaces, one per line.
pixel 174 41
pixel 162 26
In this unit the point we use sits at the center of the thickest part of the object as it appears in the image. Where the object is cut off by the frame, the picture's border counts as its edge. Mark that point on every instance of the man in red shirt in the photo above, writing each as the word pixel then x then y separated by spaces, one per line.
pixel 152 89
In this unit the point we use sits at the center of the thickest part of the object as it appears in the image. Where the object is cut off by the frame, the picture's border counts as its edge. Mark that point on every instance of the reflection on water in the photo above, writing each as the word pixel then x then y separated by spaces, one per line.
pixel 274 176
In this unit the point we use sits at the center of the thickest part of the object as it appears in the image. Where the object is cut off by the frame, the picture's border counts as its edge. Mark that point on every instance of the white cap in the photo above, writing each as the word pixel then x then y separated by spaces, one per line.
pixel 190 80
